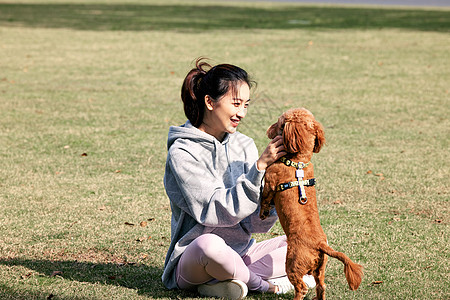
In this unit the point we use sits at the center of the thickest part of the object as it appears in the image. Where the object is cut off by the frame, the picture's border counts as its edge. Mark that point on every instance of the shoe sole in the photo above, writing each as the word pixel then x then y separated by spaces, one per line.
pixel 230 289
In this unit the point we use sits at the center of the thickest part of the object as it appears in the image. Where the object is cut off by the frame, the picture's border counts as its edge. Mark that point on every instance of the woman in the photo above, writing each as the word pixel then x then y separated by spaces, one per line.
pixel 213 179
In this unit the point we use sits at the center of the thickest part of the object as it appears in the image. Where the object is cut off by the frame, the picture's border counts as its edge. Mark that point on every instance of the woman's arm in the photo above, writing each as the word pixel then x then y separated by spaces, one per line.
pixel 196 189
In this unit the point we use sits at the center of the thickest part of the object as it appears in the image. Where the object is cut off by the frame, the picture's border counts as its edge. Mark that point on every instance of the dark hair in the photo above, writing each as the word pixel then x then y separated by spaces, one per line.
pixel 213 81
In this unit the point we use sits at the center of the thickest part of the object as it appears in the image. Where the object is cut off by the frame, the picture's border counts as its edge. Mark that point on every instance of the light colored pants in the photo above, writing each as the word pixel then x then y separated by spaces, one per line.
pixel 208 257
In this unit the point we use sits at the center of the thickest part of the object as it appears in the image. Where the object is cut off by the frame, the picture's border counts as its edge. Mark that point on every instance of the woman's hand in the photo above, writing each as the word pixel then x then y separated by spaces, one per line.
pixel 272 153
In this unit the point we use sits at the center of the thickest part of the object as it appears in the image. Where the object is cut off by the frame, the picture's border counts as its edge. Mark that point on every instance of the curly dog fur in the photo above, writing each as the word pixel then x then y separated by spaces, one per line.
pixel 308 249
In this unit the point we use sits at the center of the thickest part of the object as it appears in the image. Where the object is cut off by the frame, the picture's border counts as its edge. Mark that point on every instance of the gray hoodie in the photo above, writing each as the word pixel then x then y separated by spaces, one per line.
pixel 213 187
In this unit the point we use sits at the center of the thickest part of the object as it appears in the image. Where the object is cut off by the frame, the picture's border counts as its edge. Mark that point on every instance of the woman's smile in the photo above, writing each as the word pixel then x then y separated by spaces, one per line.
pixel 224 116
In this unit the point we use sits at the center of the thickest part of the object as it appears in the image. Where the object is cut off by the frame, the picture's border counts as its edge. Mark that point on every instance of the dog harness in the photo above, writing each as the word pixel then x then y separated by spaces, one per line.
pixel 299 174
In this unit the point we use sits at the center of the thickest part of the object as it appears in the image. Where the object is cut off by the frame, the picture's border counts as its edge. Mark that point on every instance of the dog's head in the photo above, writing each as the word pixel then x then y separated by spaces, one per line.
pixel 300 130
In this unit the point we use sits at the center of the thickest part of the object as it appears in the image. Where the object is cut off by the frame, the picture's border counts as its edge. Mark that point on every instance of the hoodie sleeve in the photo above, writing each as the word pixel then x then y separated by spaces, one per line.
pixel 194 187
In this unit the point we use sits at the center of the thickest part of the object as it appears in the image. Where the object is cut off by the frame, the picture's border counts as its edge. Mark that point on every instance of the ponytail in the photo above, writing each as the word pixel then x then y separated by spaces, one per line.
pixel 212 81
pixel 193 101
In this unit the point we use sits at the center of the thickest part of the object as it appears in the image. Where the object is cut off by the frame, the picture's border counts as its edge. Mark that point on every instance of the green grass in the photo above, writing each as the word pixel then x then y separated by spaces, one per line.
pixel 88 90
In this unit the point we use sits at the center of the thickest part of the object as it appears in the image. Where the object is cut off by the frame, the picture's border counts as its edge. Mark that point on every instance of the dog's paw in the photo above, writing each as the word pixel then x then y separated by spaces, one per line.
pixel 264 214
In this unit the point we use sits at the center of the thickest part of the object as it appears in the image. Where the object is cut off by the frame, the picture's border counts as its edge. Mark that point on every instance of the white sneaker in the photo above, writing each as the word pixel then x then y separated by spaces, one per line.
pixel 284 285
pixel 230 289
pixel 309 281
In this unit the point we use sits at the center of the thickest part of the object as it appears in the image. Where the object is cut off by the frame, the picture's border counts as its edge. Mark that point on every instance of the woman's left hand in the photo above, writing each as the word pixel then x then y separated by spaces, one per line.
pixel 272 153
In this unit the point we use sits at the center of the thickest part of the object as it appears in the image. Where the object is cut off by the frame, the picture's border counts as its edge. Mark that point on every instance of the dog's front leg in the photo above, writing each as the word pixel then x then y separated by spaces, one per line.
pixel 266 199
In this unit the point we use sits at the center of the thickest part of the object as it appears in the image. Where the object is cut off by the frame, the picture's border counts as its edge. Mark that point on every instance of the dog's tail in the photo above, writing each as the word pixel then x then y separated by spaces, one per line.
pixel 353 271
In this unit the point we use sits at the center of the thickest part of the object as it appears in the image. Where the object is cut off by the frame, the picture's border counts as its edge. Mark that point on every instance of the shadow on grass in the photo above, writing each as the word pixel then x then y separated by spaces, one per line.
pixel 145 279
pixel 210 17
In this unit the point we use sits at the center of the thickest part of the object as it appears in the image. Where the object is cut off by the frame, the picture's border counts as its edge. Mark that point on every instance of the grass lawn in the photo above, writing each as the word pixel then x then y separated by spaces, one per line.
pixel 88 90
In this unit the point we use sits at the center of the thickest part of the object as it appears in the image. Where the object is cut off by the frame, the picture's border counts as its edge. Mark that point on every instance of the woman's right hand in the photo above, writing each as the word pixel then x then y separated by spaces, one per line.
pixel 272 153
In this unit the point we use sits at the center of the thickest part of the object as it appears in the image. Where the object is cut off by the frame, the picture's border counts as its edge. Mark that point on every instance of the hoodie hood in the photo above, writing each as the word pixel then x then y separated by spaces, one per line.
pixel 190 132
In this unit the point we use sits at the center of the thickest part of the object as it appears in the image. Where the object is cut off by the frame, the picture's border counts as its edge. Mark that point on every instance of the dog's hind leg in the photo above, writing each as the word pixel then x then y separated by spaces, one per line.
pixel 295 270
pixel 319 276
pixel 301 289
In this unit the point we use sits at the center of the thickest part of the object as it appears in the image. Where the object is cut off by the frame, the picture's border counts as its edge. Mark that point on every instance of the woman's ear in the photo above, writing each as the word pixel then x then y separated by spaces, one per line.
pixel 272 131
pixel 209 103
pixel 320 137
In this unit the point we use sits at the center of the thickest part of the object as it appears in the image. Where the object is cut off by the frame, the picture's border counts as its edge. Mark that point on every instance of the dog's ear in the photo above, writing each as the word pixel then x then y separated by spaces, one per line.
pixel 320 137
pixel 272 131
pixel 293 137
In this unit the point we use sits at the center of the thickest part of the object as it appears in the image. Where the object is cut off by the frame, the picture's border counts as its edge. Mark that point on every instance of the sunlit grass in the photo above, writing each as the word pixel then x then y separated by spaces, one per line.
pixel 88 91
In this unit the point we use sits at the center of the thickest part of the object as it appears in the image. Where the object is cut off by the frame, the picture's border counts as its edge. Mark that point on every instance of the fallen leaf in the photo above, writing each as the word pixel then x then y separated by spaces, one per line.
pixel 102 207
pixel 73 223
pixel 337 202
pixel 129 224
pixel 377 282
pixel 57 273
pixel 143 224
pixel 379 174
pixel 26 276
pixel 438 221
pixel 151 219
pixel 142 239
pixel 84 154
pixel 369 172
pixel 118 171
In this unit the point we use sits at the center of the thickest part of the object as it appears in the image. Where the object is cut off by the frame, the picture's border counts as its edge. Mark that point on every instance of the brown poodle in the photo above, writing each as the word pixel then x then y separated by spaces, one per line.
pixel 289 183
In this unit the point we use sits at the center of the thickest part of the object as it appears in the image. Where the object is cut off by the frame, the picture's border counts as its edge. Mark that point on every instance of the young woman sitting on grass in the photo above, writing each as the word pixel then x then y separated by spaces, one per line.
pixel 213 179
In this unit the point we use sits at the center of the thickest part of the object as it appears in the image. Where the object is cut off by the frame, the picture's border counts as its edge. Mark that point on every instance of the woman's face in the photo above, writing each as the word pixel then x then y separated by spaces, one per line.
pixel 225 115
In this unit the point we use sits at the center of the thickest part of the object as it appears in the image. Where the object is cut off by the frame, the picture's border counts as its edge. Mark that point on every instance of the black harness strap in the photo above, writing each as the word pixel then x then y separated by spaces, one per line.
pixel 299 174
pixel 288 185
